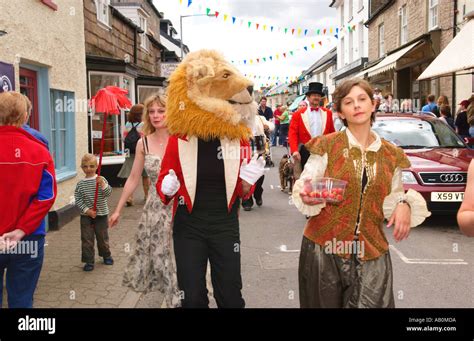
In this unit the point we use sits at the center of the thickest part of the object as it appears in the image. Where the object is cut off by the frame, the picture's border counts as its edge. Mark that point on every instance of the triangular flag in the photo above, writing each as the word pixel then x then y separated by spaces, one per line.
pixel 233 20
pixel 257 25
pixel 286 30
pixel 292 30
pixel 353 27
pixel 284 54
pixel 330 30
pixel 317 32
pixel 217 14
pixel 271 29
pixel 299 31
pixel 208 10
pixel 264 27
pixel 291 52
pixel 312 45
pixel 251 61
pixel 271 58
pixel 264 59
pixel 305 31
pixel 258 60
pixel 337 30
pixel 349 28
pixel 250 24
pixel 336 36
pixel 276 56
pixel 319 42
pixel 180 2
pixel 190 2
pixel 324 31
pixel 225 17
pixel 306 48
pixel 245 62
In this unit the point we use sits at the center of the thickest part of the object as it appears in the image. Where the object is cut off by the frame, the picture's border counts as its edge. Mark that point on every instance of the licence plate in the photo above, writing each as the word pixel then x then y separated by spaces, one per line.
pixel 447 196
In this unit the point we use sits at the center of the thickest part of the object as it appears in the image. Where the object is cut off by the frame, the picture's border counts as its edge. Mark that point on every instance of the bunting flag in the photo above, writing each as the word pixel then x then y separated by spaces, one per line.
pixel 274 29
pixel 306 48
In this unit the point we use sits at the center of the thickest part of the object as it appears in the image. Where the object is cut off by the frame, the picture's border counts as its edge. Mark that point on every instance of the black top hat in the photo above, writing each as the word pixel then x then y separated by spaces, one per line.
pixel 315 88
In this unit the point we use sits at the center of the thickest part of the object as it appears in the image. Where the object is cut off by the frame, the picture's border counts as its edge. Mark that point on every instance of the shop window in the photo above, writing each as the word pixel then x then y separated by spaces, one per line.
pixel 403 25
pixel 143 37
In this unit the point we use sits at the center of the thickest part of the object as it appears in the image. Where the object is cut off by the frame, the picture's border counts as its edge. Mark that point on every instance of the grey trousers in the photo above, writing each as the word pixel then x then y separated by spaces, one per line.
pixel 330 281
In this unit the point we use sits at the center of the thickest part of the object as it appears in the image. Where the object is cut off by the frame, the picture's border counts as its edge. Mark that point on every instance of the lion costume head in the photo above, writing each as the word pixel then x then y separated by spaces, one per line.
pixel 209 98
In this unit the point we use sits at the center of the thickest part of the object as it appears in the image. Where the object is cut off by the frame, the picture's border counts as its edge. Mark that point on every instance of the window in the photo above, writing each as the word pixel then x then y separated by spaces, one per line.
pixel 143 36
pixel 361 40
pixel 342 15
pixel 403 25
pixel 361 4
pixel 433 14
pixel 113 134
pixel 343 62
pixel 351 46
pixel 381 40
pixel 102 7
pixel 63 140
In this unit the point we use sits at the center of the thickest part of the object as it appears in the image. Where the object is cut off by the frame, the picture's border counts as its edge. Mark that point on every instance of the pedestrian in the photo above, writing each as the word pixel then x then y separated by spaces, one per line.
pixel 386 105
pixel 284 125
pixel 276 131
pixel 442 100
pixel 151 264
pixel 27 193
pixel 431 105
pixel 470 115
pixel 264 110
pixel 345 260
pixel 466 211
pixel 94 223
pixel 307 123
pixel 132 133
pixel 445 112
pixel 462 127
pixel 258 146
pixel 302 105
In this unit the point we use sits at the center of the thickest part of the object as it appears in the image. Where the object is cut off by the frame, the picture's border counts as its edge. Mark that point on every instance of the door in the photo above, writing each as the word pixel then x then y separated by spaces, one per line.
pixel 29 88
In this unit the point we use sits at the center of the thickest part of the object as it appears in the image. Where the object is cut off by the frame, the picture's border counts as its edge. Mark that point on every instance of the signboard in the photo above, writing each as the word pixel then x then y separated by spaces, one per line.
pixel 7 77
pixel 167 69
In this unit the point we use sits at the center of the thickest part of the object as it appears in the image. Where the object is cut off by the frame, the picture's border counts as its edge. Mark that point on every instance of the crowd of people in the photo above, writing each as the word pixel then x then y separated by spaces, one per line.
pixel 169 251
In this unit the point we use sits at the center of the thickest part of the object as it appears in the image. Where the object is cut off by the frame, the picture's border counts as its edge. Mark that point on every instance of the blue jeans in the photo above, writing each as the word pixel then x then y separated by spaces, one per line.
pixel 23 271
pixel 275 134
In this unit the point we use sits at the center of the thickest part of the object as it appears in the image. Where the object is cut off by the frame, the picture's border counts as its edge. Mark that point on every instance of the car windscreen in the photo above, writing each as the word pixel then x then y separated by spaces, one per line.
pixel 417 133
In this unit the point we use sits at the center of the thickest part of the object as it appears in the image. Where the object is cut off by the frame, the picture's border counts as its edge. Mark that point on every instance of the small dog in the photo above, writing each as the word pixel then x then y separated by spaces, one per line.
pixel 287 177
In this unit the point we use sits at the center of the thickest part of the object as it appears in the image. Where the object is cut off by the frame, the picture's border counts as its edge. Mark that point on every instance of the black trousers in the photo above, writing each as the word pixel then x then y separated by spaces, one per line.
pixel 220 244
pixel 257 194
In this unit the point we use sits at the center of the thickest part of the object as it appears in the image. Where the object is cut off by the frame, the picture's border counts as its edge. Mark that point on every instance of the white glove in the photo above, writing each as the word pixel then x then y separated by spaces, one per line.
pixel 252 171
pixel 170 184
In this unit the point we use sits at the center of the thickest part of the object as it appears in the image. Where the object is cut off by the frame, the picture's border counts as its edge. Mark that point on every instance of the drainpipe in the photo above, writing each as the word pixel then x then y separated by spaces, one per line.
pixel 135 47
pixel 455 26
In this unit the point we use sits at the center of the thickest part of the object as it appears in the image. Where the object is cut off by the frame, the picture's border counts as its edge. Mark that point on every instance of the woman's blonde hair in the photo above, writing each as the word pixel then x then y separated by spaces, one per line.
pixel 13 108
pixel 158 98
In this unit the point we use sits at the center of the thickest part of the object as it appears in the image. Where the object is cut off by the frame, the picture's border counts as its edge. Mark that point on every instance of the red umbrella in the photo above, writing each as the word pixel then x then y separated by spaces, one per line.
pixel 108 100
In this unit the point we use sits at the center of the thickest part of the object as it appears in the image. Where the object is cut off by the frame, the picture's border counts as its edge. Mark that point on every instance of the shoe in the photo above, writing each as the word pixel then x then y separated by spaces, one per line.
pixel 108 261
pixel 129 203
pixel 88 267
pixel 247 209
pixel 259 202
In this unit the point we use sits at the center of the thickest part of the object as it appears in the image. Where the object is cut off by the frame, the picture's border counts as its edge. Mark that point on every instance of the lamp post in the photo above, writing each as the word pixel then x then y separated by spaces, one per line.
pixel 181 27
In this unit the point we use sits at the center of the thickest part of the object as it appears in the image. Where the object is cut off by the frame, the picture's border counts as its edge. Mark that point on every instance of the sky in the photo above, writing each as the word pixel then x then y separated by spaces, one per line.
pixel 238 42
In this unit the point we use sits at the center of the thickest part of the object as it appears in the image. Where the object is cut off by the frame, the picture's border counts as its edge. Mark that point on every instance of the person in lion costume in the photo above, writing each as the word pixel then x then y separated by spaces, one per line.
pixel 208 169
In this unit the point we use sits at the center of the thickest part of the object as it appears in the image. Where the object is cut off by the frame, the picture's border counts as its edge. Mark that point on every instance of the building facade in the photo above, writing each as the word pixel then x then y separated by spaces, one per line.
pixel 46 53
pixel 404 37
pixel 352 45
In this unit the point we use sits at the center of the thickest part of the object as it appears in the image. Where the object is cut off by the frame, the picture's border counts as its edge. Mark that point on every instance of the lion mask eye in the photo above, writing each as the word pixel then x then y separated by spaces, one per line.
pixel 226 75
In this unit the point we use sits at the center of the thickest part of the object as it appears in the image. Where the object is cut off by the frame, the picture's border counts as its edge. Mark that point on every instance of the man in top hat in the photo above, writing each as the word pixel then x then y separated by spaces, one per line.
pixel 307 123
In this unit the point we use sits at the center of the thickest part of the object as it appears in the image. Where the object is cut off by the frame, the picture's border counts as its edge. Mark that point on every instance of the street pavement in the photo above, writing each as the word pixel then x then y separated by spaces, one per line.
pixel 433 268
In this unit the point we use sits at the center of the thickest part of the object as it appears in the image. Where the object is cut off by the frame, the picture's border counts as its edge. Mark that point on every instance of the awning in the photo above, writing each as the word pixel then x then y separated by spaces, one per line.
pixel 458 55
pixel 296 102
pixel 388 62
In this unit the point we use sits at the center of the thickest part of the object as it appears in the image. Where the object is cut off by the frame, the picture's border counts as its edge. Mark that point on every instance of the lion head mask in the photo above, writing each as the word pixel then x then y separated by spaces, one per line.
pixel 209 98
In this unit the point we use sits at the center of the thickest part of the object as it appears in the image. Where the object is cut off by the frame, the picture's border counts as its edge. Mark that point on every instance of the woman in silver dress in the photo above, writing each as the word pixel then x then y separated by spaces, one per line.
pixel 151 264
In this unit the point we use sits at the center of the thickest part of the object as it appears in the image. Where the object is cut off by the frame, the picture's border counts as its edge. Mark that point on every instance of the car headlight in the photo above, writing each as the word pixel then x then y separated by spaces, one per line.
pixel 408 178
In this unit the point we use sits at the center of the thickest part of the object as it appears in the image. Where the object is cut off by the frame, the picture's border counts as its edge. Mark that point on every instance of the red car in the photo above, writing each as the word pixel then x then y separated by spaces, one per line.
pixel 439 157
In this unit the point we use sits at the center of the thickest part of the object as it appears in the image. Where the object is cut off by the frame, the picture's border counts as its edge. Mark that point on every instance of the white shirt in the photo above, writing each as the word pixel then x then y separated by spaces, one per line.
pixel 315 122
